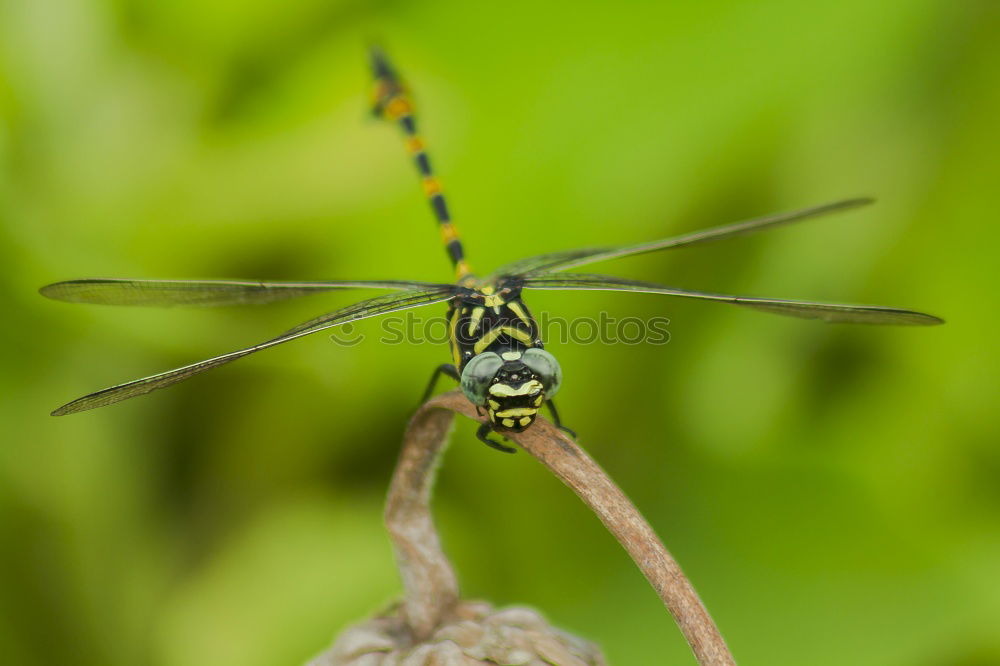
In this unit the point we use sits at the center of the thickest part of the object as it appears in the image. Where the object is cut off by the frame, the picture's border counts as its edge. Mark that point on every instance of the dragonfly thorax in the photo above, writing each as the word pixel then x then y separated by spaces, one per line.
pixel 490 318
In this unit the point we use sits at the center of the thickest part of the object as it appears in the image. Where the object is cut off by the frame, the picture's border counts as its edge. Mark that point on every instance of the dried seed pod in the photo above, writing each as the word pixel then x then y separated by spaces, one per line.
pixel 476 634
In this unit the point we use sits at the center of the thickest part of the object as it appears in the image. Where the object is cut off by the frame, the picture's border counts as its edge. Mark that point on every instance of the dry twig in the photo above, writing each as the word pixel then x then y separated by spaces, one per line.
pixel 429 581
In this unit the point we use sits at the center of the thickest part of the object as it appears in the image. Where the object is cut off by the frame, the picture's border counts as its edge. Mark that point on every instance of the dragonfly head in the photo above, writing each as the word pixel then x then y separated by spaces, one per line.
pixel 512 386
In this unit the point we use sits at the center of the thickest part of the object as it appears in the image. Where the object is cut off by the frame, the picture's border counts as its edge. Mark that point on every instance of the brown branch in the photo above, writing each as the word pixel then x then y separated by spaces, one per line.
pixel 430 583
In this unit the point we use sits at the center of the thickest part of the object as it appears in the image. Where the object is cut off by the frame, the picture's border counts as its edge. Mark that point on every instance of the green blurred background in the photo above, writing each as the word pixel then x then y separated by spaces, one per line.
pixel 832 491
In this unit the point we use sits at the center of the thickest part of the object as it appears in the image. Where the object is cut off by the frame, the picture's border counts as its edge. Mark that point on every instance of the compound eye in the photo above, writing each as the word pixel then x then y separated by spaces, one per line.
pixel 477 375
pixel 546 367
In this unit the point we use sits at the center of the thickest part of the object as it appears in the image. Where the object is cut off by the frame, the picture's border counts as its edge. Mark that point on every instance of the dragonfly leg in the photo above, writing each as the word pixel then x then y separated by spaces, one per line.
pixel 558 421
pixel 484 436
pixel 443 369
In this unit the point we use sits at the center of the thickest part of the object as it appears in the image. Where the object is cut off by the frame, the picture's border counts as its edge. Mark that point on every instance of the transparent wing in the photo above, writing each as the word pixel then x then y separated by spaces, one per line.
pixel 371 307
pixel 832 312
pixel 113 291
pixel 560 261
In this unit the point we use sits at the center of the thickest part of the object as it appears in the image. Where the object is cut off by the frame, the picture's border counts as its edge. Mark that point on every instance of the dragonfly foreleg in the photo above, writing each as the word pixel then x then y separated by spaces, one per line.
pixel 557 421
pixel 443 369
pixel 484 436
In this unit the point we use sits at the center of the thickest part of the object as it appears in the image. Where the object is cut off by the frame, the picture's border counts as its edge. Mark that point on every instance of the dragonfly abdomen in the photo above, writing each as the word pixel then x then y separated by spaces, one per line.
pixel 392 101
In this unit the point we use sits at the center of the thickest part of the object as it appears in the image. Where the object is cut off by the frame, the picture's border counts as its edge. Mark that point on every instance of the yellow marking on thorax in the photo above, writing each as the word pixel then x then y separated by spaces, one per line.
pixel 477 316
pixel 496 332
pixel 491 298
pixel 516 308
pixel 456 354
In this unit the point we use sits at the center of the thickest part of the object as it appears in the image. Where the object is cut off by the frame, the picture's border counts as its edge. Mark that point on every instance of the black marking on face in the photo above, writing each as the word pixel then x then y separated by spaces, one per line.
pixel 514 412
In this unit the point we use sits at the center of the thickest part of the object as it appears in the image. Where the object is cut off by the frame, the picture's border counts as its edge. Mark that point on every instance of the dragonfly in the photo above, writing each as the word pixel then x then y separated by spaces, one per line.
pixel 497 354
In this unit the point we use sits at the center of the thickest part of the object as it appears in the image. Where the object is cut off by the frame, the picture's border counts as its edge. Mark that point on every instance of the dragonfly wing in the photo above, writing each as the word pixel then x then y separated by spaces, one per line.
pixel 560 261
pixel 372 307
pixel 112 291
pixel 831 312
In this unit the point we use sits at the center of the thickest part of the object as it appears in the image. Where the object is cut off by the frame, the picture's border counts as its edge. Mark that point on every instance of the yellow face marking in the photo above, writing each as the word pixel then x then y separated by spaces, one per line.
pixel 516 308
pixel 511 355
pixel 431 186
pixel 493 404
pixel 517 411
pixel 487 289
pixel 477 316
pixel 504 391
pixel 525 421
pixel 508 423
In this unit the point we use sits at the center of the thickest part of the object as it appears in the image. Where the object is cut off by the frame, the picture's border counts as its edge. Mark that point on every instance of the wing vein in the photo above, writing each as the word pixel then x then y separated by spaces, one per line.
pixel 371 307
pixel 117 291
pixel 560 261
pixel 831 312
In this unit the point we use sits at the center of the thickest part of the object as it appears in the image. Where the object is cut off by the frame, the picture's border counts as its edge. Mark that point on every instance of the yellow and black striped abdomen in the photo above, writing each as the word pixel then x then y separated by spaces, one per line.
pixel 392 102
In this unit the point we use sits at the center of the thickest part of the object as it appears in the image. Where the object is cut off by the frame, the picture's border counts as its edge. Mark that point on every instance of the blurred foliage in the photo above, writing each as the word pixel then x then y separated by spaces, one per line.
pixel 832 491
